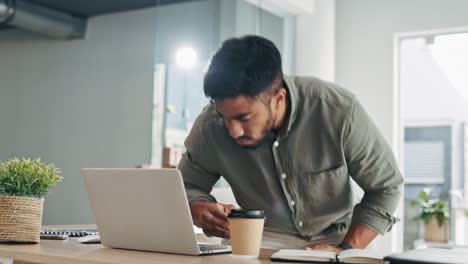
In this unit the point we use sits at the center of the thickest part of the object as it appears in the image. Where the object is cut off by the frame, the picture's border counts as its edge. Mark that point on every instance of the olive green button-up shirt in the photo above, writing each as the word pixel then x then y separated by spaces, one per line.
pixel 301 177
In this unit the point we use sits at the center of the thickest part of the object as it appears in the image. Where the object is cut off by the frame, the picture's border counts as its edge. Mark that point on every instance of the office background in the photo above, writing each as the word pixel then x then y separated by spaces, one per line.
pixel 89 102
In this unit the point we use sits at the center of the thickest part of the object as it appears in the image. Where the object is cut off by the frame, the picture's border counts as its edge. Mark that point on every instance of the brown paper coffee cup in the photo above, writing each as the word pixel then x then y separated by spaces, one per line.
pixel 246 228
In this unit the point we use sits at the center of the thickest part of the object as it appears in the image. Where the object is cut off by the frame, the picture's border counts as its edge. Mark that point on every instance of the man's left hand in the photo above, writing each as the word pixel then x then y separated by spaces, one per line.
pixel 323 247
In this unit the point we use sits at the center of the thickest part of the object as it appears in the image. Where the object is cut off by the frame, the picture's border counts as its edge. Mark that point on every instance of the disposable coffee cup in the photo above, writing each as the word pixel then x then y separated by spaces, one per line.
pixel 246 227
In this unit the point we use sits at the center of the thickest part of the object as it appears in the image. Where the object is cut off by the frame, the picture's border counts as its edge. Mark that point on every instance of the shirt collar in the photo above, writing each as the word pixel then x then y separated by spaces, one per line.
pixel 293 98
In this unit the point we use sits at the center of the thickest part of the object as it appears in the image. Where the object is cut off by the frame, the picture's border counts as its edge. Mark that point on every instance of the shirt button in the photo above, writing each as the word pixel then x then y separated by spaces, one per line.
pixel 276 144
pixel 283 176
pixel 300 223
pixel 293 203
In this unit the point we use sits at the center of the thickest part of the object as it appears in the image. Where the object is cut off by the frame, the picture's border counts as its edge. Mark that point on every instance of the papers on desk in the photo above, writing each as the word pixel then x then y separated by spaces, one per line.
pixel 431 255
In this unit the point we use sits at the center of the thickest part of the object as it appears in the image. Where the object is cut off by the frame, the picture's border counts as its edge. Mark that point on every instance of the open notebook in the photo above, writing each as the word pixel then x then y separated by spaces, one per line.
pixel 347 256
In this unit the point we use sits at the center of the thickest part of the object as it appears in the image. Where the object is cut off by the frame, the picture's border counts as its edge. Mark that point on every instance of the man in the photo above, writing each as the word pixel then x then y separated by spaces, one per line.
pixel 289 146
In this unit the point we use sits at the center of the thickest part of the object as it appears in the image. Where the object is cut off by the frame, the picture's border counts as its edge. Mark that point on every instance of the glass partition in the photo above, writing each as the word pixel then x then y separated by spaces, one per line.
pixel 185 42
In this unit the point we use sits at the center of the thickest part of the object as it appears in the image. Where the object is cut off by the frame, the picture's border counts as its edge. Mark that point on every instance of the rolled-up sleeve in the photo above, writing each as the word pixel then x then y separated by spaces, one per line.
pixel 198 165
pixel 372 165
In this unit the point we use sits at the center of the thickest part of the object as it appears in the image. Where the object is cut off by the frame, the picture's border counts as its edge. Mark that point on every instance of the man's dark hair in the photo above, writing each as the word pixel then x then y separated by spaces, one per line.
pixel 243 66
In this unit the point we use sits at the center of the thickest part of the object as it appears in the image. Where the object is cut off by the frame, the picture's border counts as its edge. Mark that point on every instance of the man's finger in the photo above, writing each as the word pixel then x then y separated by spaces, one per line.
pixel 228 208
pixel 313 247
pixel 211 220
pixel 207 232
pixel 219 232
pixel 214 232
pixel 219 212
pixel 322 247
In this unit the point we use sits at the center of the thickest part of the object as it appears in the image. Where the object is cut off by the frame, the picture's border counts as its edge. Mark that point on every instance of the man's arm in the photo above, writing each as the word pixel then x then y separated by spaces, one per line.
pixel 359 236
pixel 198 165
pixel 372 165
pixel 200 172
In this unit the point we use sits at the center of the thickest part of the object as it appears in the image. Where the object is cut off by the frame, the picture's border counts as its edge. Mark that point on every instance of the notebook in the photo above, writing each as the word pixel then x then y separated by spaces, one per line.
pixel 347 256
pixel 430 255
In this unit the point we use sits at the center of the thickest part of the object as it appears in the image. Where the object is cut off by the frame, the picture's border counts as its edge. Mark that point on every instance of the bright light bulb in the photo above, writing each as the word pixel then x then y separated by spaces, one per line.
pixel 186 57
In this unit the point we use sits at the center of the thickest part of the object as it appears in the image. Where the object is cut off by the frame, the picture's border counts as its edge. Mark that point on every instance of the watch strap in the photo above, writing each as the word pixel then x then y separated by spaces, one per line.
pixel 345 246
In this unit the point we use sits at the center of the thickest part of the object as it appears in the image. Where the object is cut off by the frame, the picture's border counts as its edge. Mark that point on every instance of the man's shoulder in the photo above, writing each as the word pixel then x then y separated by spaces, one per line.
pixel 312 89
pixel 208 120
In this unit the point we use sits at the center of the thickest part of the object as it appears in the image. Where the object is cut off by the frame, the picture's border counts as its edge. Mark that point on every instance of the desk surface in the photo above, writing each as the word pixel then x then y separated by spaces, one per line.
pixel 72 252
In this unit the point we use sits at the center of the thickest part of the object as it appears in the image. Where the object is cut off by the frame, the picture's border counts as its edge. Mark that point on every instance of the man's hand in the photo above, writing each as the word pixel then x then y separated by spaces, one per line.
pixel 358 236
pixel 323 247
pixel 212 217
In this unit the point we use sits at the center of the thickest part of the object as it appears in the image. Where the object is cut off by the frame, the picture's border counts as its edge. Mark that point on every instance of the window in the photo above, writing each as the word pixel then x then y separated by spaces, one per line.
pixel 428 156
pixel 434 110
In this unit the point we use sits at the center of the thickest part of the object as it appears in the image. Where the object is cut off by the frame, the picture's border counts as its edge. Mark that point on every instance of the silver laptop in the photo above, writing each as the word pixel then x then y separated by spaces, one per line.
pixel 144 209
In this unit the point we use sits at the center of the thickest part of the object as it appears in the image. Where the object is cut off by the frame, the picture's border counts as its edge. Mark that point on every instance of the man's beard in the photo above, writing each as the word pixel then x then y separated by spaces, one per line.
pixel 266 130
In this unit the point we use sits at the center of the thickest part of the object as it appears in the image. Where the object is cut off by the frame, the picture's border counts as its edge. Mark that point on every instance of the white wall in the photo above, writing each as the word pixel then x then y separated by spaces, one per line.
pixel 82 103
pixel 364 45
pixel 315 42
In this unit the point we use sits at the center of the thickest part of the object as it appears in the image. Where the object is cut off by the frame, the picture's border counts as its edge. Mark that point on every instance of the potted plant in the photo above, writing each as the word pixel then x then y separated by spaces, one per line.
pixel 435 213
pixel 23 183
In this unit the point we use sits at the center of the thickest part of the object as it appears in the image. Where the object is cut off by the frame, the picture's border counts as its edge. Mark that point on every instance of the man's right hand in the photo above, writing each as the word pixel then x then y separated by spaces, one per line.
pixel 211 217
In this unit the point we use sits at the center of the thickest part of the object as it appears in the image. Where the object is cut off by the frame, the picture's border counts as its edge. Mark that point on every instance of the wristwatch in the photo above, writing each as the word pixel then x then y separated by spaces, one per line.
pixel 345 246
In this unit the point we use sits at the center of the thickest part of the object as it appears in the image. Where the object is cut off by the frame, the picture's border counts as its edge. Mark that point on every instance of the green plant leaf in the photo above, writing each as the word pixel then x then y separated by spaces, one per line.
pixel 431 207
pixel 441 218
pixel 27 177
pixel 426 217
pixel 423 195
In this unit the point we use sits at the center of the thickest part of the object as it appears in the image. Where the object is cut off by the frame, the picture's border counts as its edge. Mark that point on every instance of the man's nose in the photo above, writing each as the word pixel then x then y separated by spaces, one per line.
pixel 236 130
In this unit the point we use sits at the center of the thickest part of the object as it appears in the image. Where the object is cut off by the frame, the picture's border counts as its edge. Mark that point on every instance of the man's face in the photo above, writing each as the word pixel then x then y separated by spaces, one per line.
pixel 248 119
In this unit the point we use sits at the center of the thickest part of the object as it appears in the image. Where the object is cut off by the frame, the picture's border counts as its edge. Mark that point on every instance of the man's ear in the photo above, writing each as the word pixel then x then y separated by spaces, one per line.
pixel 279 97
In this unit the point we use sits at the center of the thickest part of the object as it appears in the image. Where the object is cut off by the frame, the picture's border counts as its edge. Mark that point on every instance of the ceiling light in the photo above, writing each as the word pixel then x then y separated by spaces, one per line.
pixel 186 57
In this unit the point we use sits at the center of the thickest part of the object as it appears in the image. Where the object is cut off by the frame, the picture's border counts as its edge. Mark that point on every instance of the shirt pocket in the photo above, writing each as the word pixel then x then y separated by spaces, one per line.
pixel 330 169
pixel 326 187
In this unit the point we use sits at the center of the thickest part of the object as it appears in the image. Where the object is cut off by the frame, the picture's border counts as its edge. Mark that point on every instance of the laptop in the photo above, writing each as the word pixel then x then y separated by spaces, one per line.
pixel 144 209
